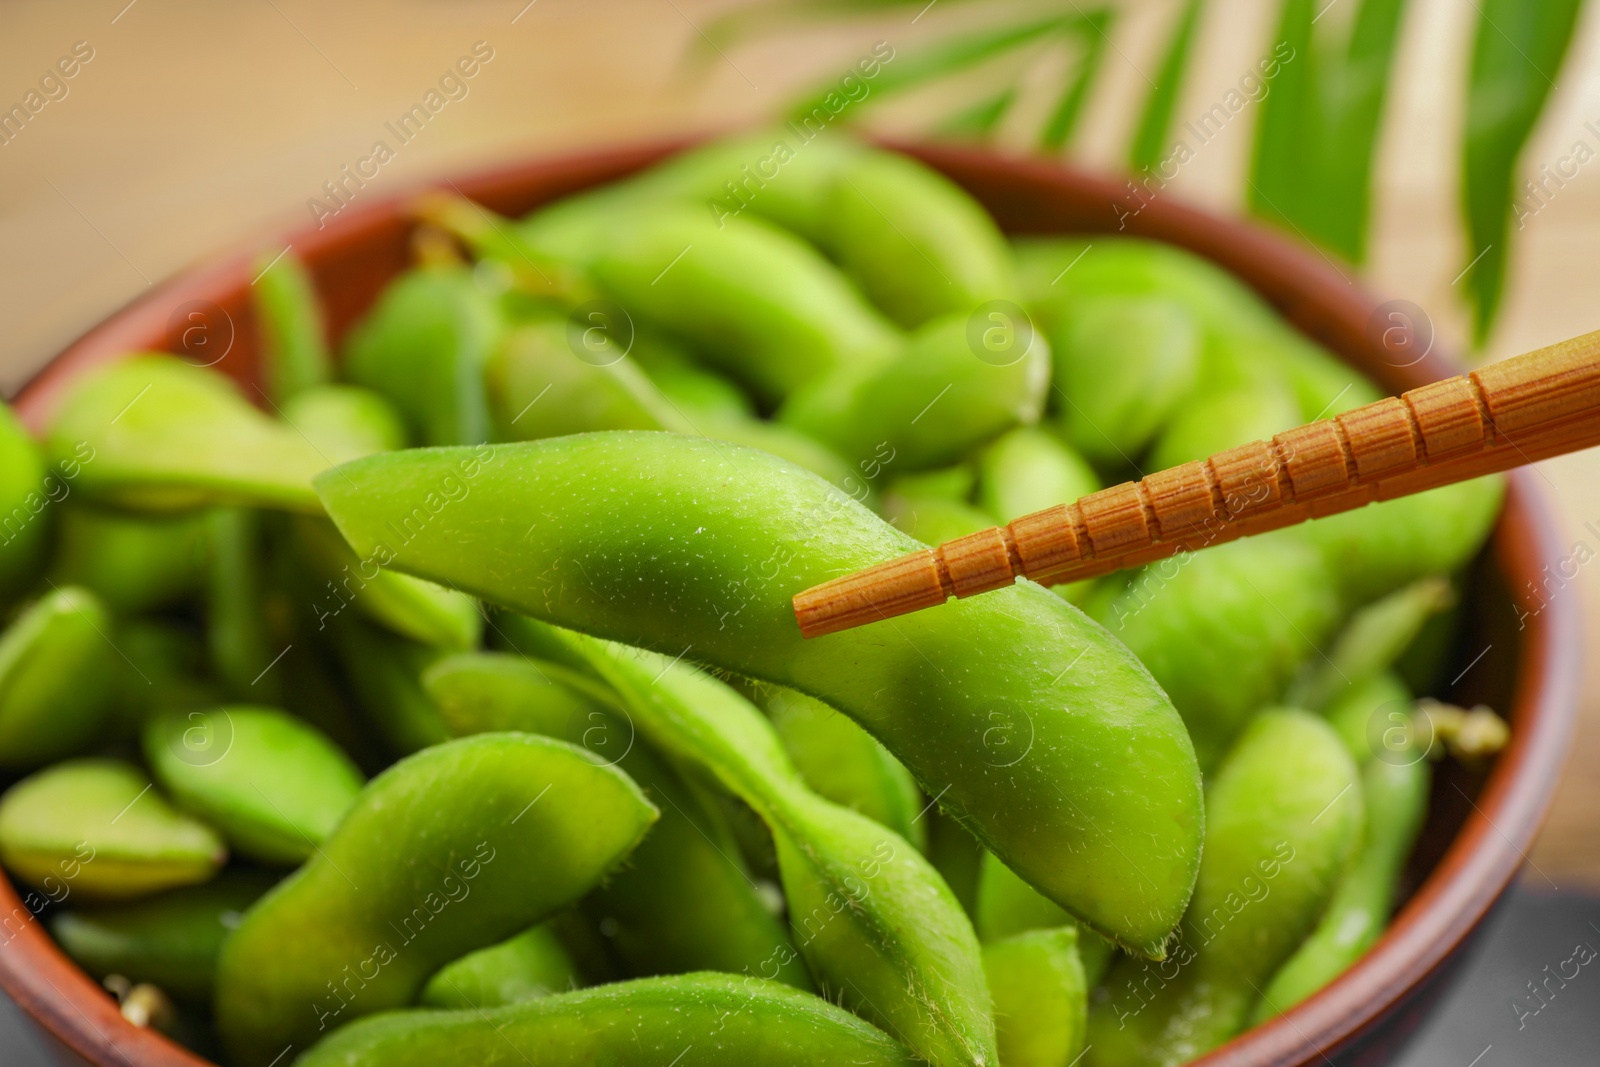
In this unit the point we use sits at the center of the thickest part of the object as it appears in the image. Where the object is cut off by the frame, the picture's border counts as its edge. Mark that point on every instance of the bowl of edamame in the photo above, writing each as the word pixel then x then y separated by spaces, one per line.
pixel 398 663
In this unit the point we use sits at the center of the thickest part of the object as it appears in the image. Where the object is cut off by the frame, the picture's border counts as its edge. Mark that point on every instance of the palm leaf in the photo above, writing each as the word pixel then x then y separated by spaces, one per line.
pixel 1285 137
pixel 1150 139
pixel 1093 27
pixel 1515 58
pixel 978 123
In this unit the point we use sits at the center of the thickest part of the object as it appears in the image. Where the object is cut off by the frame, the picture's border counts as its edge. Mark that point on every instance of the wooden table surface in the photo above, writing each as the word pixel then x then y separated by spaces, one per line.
pixel 188 127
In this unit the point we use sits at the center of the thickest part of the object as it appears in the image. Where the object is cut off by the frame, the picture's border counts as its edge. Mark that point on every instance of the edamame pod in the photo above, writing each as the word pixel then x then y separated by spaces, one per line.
pixel 274 785
pixel 875 923
pixel 167 435
pixel 410 607
pixel 659 540
pixel 1373 715
pixel 1283 815
pixel 684 902
pixel 294 342
pixel 236 627
pixel 133 563
pixel 1029 470
pixel 845 764
pixel 424 347
pixel 1125 365
pixel 1395 791
pixel 1224 630
pixel 727 1021
pixel 1225 418
pixel 700 394
pixel 919 245
pixel 57 667
pixel 933 520
pixel 1371 641
pixel 533 964
pixel 383 904
pixel 1041 998
pixel 24 495
pixel 1008 906
pixel 1379 548
pixel 931 405
pixel 95 826
pixel 755 301
pixel 170 940
pixel 344 422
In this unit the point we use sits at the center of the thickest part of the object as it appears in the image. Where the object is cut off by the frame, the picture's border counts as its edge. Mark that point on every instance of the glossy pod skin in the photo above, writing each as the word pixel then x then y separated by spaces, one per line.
pixel 728 1022
pixel 684 901
pixel 168 435
pixel 845 764
pixel 95 828
pixel 876 925
pixel 383 904
pixel 1048 741
pixel 171 940
pixel 57 667
pixel 1284 814
pixel 1041 998
pixel 424 346
pixel 530 965
pixel 270 782
pixel 861 409
pixel 756 302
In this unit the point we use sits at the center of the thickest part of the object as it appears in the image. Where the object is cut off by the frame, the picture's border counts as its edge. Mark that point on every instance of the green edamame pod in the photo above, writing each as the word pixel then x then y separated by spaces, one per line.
pixel 874 921
pixel 1379 548
pixel 1008 906
pixel 294 342
pixel 919 245
pixel 700 394
pixel 1283 815
pixel 658 539
pixel 931 405
pixel 1395 791
pixel 1125 365
pixel 755 301
pixel 643 1023
pixel 540 387
pixel 383 905
pixel 134 563
pixel 57 666
pixel 1041 997
pixel 170 940
pixel 272 784
pixel 958 483
pixel 385 672
pixel 1373 715
pixel 167 435
pixel 1029 470
pixel 683 902
pixel 533 964
pixel 96 826
pixel 236 628
pixel 424 347
pixel 845 764
pixel 933 520
pixel 1371 641
pixel 1222 419
pixel 1225 629
pixel 792 186
pixel 344 422
pixel 410 607
pixel 24 495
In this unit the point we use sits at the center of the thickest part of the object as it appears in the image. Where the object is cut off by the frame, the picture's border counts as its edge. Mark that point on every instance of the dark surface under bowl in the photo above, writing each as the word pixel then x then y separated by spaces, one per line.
pixel 1525 662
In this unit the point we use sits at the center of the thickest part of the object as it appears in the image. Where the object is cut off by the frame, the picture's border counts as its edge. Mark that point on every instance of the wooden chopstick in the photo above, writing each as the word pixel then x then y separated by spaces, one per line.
pixel 1527 408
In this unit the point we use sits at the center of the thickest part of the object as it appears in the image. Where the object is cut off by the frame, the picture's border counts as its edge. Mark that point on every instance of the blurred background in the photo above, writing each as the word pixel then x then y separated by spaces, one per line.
pixel 1444 152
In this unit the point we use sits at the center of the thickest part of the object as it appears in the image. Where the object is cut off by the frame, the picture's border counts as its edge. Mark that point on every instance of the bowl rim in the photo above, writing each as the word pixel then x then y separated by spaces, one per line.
pixel 1306 286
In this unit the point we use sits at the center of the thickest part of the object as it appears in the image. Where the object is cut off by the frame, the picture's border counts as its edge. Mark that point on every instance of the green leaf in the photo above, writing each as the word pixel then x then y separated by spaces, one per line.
pixel 1092 28
pixel 1515 58
pixel 1285 132
pixel 978 123
pixel 1150 140
pixel 957 53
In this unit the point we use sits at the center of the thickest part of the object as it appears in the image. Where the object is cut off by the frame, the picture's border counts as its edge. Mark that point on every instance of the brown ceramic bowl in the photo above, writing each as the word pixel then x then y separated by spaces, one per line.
pixel 1479 827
